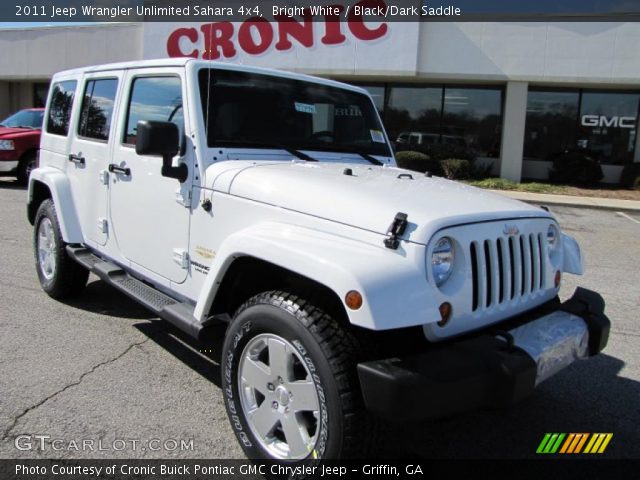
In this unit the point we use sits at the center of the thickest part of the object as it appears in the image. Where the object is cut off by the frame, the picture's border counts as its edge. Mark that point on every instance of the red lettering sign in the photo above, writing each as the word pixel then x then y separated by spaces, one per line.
pixel 256 35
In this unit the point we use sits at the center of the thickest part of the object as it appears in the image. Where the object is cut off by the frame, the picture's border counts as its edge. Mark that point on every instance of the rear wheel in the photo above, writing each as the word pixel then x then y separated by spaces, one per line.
pixel 290 382
pixel 59 275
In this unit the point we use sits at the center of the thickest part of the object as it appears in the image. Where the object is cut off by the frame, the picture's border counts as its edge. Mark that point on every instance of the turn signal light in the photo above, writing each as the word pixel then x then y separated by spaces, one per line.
pixel 353 300
pixel 558 278
pixel 445 314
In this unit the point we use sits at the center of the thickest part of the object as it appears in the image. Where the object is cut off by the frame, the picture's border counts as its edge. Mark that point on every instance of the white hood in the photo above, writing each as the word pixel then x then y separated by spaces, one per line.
pixel 369 198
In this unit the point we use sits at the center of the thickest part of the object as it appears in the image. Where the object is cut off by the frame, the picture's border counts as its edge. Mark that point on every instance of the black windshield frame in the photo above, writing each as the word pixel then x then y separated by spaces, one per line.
pixel 262 109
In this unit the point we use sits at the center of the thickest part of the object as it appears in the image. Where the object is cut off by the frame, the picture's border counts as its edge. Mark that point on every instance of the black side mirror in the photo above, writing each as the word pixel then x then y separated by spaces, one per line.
pixel 161 139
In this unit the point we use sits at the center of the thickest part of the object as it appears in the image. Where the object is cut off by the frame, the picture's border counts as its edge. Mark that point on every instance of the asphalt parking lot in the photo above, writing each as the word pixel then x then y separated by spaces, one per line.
pixel 102 368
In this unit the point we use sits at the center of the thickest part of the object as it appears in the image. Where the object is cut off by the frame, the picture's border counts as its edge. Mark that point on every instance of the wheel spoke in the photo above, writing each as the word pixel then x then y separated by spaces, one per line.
pixel 296 435
pixel 264 419
pixel 280 360
pixel 256 374
pixel 304 396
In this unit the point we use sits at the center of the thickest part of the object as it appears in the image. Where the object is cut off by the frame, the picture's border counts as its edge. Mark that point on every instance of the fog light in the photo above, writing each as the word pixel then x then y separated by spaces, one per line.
pixel 353 300
pixel 445 314
pixel 558 278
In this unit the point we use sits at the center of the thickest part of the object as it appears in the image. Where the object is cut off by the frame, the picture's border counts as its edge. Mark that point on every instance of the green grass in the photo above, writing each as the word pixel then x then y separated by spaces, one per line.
pixel 504 184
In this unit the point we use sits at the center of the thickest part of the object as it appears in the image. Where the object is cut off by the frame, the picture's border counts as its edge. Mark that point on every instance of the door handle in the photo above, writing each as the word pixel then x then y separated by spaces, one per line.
pixel 113 168
pixel 79 159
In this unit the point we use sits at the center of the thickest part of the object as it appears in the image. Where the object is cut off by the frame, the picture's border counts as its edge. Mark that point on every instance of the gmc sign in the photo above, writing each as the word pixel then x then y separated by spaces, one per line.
pixel 608 122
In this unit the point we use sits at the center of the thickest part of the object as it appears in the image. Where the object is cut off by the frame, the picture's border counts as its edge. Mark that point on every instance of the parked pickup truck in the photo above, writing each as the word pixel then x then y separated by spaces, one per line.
pixel 19 142
pixel 268 202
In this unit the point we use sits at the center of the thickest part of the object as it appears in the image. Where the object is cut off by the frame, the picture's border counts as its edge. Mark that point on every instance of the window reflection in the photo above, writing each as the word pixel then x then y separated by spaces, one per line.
pixel 551 123
pixel 60 107
pixel 414 110
pixel 608 126
pixel 377 93
pixel 603 125
pixel 472 118
pixel 97 107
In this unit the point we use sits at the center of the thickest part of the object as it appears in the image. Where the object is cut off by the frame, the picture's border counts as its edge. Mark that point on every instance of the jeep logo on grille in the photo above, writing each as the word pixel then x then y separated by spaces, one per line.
pixel 511 230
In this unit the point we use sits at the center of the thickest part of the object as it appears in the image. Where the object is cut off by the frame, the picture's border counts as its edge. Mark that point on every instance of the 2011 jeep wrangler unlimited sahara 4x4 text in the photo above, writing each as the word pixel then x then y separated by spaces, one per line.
pixel 270 201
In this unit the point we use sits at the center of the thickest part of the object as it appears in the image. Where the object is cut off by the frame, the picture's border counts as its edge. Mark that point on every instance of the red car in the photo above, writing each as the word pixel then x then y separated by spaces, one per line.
pixel 19 142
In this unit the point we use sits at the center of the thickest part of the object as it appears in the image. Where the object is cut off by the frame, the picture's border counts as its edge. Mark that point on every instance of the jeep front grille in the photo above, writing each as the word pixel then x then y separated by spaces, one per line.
pixel 506 268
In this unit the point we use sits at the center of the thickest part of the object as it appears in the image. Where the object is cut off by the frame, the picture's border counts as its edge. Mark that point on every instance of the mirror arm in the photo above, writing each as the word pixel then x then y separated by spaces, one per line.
pixel 181 172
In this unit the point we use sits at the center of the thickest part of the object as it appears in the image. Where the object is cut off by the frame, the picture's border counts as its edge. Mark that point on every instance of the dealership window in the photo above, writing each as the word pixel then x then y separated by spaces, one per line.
pixel 551 123
pixel 472 118
pixel 377 92
pixel 40 91
pixel 60 107
pixel 97 107
pixel 601 124
pixel 608 124
pixel 413 110
pixel 469 117
pixel 154 98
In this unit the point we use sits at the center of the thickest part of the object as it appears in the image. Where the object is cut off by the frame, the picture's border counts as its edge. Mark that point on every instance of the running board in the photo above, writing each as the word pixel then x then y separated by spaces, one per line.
pixel 177 313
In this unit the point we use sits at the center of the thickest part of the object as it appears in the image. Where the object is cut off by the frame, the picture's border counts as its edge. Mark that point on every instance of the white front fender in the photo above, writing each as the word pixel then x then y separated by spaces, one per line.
pixel 392 282
pixel 572 256
pixel 58 184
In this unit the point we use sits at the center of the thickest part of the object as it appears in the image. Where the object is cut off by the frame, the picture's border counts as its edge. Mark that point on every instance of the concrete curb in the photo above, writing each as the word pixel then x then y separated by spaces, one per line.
pixel 573 201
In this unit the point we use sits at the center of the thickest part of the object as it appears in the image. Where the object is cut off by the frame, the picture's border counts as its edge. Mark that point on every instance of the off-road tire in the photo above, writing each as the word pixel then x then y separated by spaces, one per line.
pixel 68 278
pixel 328 348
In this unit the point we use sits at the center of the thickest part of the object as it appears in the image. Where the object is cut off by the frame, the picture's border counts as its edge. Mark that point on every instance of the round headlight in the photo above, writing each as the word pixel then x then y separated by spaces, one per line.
pixel 442 260
pixel 552 237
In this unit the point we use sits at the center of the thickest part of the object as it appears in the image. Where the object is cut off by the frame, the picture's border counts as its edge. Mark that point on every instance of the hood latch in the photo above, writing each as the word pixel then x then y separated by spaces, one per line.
pixel 396 229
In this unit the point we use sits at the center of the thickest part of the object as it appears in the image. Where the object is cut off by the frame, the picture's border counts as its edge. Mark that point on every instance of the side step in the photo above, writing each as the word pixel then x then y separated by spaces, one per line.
pixel 177 313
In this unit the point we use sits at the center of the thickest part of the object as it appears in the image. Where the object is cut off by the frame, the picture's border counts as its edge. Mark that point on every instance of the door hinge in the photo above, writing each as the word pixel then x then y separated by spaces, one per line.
pixel 103 225
pixel 104 177
pixel 183 199
pixel 181 257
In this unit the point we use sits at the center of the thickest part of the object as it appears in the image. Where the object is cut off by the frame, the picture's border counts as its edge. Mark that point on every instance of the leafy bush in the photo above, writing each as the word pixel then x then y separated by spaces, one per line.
pixel 457 168
pixel 630 177
pixel 417 161
pixel 440 151
pixel 575 168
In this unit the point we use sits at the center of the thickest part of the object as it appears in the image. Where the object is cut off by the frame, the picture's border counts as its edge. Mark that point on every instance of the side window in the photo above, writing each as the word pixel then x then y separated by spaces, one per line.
pixel 60 105
pixel 97 108
pixel 153 98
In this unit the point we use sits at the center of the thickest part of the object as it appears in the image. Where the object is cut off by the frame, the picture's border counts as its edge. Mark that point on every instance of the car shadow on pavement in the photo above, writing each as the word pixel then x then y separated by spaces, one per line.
pixel 11 185
pixel 101 298
pixel 202 356
pixel 588 397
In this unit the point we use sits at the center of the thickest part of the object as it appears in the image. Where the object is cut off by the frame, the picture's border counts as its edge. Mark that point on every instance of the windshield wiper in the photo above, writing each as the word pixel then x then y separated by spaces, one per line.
pixel 340 148
pixel 252 143
pixel 25 126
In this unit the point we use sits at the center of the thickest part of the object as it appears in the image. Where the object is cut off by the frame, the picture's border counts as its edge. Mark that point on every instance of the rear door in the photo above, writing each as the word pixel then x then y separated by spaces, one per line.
pixel 90 151
pixel 59 115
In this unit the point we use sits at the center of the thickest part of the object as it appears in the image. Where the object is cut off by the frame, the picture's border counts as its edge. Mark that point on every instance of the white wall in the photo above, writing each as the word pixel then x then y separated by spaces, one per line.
pixel 37 53
pixel 572 53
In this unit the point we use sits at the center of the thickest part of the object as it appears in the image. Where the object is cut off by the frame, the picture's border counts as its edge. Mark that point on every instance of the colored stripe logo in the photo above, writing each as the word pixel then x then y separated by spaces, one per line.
pixel 574 443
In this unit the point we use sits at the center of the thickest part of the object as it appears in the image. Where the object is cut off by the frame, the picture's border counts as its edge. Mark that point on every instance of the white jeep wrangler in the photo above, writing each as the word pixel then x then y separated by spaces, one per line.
pixel 352 290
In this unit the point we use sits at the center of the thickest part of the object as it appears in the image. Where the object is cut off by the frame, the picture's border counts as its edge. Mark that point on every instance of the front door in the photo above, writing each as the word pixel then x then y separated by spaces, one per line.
pixel 150 213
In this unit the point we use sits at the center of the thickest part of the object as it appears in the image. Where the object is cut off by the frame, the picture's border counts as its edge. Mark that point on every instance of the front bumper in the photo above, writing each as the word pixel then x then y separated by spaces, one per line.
pixel 7 166
pixel 487 371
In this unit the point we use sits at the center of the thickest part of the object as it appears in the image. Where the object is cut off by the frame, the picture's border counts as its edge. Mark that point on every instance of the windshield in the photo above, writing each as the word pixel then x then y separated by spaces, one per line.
pixel 257 110
pixel 24 118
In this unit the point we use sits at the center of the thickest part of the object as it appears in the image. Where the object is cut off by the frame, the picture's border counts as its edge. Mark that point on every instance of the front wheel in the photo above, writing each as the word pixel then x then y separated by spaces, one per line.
pixel 290 383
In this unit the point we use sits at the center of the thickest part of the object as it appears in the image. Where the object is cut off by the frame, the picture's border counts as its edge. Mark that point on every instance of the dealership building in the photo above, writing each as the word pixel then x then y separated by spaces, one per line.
pixel 517 94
